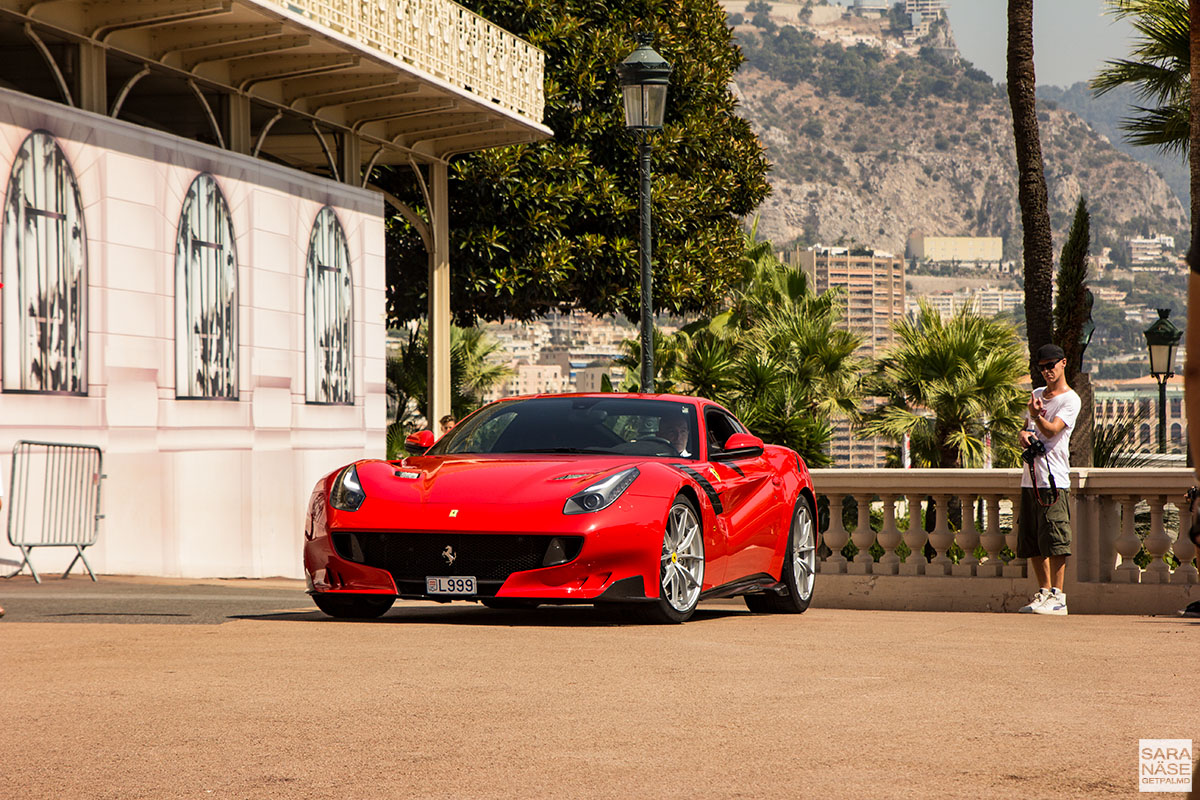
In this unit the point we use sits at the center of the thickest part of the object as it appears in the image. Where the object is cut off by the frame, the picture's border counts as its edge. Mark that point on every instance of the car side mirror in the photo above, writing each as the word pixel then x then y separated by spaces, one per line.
pixel 417 443
pixel 740 445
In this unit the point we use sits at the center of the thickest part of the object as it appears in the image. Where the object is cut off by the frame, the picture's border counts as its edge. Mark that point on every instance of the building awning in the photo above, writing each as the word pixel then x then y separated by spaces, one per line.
pixel 315 84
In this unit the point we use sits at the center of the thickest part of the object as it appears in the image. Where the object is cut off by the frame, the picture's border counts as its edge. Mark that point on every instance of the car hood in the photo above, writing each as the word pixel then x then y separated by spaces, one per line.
pixel 490 480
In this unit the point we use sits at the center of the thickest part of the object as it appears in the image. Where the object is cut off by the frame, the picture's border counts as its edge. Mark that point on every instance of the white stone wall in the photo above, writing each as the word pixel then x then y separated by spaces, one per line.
pixel 198 488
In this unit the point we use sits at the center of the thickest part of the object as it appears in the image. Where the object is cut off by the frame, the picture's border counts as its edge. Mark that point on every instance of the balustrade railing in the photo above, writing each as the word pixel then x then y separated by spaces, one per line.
pixel 1119 517
pixel 445 40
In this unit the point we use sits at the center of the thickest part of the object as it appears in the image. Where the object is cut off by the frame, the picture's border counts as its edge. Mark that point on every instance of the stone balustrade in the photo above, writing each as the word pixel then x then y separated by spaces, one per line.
pixel 1105 506
pixel 444 40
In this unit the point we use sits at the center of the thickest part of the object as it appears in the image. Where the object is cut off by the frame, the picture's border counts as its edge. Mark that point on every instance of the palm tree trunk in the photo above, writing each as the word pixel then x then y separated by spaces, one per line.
pixel 1031 186
pixel 1194 149
pixel 1191 369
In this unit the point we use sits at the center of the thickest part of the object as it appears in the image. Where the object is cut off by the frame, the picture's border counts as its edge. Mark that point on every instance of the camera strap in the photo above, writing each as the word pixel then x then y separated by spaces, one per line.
pixel 1053 486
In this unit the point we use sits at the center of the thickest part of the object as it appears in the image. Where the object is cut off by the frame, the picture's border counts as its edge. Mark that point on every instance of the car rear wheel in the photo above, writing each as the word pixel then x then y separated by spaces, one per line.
pixel 799 567
pixel 681 574
pixel 354 606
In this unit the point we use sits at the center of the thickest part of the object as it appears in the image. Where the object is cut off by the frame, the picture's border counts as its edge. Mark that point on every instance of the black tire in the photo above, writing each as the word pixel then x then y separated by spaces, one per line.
pixel 678 587
pixel 794 594
pixel 354 606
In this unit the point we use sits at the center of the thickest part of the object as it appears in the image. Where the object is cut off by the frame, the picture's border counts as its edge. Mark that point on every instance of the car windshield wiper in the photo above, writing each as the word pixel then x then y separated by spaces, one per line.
pixel 592 450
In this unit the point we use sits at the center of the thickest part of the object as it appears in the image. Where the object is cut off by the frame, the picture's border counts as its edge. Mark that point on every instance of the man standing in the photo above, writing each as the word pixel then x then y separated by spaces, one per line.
pixel 1044 535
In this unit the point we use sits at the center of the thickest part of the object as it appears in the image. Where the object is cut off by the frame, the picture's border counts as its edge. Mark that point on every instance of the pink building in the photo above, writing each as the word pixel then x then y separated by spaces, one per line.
pixel 192 253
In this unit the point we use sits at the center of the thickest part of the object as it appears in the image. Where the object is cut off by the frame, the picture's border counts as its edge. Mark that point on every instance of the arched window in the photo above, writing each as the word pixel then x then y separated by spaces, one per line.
pixel 206 303
pixel 45 273
pixel 328 302
pixel 1144 433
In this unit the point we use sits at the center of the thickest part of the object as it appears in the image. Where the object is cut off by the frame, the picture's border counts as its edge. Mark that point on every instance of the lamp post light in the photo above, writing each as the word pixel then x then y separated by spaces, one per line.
pixel 644 77
pixel 1162 338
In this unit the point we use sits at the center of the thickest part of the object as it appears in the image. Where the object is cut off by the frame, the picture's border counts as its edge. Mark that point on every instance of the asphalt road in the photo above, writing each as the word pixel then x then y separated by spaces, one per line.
pixel 138 688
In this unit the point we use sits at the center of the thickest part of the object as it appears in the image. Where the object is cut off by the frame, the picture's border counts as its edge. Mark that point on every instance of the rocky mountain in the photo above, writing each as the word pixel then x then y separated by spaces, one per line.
pixel 874 136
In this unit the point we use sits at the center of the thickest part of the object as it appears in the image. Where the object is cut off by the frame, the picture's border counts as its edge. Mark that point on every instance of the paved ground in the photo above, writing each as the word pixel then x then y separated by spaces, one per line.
pixel 239 689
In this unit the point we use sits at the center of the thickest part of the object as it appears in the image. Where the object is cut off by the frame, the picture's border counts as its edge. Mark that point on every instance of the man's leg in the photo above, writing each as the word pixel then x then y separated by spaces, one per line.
pixel 1057 570
pixel 1041 571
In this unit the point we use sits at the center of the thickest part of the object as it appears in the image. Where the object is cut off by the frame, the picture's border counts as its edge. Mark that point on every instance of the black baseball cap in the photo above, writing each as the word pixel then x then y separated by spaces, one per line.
pixel 1051 353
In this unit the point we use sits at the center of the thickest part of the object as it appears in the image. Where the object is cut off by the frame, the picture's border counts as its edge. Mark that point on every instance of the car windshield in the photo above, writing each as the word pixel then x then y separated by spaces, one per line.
pixel 577 425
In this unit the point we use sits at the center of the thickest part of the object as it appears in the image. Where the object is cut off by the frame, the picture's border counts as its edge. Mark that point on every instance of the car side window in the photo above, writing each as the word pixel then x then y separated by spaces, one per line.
pixel 720 427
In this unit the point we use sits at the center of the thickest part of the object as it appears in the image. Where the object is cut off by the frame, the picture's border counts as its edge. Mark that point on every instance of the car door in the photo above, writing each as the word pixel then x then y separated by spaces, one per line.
pixel 750 497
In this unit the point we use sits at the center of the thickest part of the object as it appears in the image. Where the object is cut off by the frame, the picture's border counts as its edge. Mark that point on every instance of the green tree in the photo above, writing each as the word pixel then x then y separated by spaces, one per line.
pixel 1031 180
pixel 778 356
pixel 948 383
pixel 555 224
pixel 472 374
pixel 1073 306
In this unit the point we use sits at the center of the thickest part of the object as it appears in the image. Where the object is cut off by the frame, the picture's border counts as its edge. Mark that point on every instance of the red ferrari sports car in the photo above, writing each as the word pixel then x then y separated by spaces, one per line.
pixel 650 501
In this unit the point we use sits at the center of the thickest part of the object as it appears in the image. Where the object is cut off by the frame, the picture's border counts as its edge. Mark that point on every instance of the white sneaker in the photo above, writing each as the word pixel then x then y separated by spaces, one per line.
pixel 1038 599
pixel 1055 605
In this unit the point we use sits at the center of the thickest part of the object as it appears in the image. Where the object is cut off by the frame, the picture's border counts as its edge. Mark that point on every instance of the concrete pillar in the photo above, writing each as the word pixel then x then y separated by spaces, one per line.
pixel 89 78
pixel 350 159
pixel 1081 434
pixel 438 387
pixel 235 123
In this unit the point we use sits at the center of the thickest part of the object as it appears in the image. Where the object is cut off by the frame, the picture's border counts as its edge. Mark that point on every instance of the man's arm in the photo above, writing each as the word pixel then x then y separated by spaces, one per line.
pixel 1050 427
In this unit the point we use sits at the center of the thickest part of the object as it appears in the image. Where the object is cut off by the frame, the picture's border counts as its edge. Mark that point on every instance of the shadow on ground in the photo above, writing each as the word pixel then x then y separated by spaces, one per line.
pixel 545 617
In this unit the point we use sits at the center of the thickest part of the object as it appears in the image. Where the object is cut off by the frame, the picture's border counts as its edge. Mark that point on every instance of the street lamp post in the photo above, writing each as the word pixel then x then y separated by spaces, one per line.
pixel 1162 338
pixel 644 77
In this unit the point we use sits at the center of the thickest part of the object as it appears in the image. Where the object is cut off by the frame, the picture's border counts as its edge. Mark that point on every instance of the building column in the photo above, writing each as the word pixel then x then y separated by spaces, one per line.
pixel 438 387
pixel 235 123
pixel 350 159
pixel 90 78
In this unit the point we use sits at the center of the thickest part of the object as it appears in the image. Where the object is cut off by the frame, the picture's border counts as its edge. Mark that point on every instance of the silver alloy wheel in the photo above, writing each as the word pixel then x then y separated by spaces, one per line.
pixel 804 551
pixel 682 570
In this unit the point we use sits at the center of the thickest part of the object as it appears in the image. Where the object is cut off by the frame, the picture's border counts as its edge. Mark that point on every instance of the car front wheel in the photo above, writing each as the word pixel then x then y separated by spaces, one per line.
pixel 354 606
pixel 681 572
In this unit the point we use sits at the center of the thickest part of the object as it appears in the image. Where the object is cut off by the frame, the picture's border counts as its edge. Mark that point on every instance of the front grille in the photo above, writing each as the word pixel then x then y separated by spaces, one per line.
pixel 410 557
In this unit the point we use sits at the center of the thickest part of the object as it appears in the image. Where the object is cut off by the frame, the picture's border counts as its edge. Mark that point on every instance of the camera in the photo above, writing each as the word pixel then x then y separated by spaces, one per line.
pixel 1034 451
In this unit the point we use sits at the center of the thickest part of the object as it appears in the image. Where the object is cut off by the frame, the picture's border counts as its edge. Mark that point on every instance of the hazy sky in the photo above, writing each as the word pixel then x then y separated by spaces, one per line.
pixel 1071 38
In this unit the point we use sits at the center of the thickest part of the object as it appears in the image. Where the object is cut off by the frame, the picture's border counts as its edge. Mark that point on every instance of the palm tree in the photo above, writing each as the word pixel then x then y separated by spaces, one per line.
pixel 1031 178
pixel 947 384
pixel 1158 71
pixel 778 357
pixel 472 374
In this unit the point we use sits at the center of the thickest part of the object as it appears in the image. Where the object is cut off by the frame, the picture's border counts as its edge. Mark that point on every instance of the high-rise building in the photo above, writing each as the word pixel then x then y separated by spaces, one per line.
pixel 874 284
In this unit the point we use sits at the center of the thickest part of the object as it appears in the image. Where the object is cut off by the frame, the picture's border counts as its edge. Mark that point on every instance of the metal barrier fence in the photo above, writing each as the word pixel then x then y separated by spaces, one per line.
pixel 55 500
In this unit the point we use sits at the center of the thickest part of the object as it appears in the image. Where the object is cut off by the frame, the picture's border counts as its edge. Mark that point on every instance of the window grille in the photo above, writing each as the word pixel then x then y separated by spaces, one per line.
pixel 328 314
pixel 45 273
pixel 206 302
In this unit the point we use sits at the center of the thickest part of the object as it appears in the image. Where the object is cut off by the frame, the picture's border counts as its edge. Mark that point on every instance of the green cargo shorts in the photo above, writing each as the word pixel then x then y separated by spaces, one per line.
pixel 1044 530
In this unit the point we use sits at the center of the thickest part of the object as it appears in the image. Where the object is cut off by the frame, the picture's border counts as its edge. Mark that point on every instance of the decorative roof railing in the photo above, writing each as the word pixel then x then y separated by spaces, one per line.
pixel 446 41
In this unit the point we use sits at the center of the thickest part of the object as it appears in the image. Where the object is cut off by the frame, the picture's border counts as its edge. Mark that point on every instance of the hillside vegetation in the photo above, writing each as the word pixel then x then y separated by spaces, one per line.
pixel 868 147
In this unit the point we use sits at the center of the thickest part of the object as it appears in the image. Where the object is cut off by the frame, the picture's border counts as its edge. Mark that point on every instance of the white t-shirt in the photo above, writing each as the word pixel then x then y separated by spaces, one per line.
pixel 1066 407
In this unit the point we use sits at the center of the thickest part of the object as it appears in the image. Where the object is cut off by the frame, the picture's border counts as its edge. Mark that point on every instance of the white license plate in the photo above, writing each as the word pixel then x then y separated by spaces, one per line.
pixel 450 585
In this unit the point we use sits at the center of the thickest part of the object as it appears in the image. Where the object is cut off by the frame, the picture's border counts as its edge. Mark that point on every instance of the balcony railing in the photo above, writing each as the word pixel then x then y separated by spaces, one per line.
pixel 444 40
pixel 1119 517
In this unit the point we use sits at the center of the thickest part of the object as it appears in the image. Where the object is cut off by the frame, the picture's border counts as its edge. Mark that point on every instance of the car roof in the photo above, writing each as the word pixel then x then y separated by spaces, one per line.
pixel 678 398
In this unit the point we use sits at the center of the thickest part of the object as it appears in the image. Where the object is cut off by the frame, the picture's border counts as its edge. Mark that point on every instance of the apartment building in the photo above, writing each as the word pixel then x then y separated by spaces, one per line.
pixel 874 284
pixel 1139 397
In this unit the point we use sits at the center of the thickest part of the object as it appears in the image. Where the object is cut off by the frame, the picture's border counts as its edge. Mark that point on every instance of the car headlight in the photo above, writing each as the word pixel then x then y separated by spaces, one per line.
pixel 601 494
pixel 347 493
